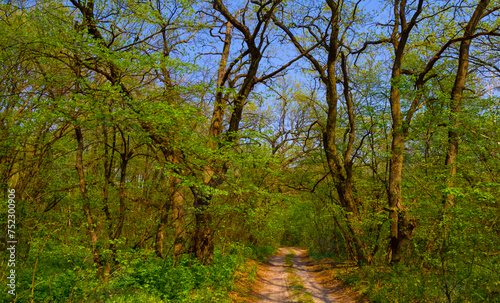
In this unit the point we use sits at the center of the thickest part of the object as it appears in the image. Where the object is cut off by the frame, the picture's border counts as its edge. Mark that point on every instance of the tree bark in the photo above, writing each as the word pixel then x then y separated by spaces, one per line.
pixel 202 245
pixel 401 226
pixel 91 225
pixel 456 97
pixel 178 217
pixel 202 242
pixel 340 166
pixel 125 157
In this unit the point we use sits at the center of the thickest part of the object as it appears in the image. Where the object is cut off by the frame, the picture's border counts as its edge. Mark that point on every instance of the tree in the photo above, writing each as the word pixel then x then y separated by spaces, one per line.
pixel 329 37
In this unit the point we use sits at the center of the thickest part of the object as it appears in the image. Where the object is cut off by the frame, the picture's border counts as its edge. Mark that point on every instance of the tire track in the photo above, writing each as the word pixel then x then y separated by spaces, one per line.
pixel 277 282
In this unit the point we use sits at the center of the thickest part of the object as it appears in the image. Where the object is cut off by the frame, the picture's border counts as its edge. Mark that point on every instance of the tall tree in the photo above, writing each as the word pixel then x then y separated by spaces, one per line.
pixel 401 225
pixel 244 71
pixel 340 163
pixel 457 92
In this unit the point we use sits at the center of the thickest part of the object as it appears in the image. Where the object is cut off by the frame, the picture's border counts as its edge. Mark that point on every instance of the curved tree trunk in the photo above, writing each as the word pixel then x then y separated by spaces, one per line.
pixel 456 97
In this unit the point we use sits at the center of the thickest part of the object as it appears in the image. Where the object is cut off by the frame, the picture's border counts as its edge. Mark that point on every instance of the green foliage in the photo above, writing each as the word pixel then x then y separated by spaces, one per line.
pixel 453 257
pixel 186 281
pixel 65 278
pixel 262 253
pixel 403 283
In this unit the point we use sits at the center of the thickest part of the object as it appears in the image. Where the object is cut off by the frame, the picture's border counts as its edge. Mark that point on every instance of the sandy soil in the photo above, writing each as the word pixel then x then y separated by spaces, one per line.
pixel 318 292
pixel 272 281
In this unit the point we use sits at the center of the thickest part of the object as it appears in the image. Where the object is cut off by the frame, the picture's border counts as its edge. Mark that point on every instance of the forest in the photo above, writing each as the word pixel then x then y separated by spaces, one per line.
pixel 157 150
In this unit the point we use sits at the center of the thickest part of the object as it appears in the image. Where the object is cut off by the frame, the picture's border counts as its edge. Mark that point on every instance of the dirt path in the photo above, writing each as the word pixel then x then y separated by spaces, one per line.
pixel 291 279
pixel 272 280
pixel 318 293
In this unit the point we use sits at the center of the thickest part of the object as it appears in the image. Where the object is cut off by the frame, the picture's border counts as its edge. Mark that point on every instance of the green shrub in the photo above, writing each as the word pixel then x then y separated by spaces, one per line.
pixel 144 278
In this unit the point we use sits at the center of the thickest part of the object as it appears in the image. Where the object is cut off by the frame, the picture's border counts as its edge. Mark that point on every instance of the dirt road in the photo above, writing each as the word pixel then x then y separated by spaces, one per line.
pixel 272 280
pixel 289 277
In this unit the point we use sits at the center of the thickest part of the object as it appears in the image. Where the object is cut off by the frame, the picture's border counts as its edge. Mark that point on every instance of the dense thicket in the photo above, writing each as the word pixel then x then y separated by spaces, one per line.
pixel 153 145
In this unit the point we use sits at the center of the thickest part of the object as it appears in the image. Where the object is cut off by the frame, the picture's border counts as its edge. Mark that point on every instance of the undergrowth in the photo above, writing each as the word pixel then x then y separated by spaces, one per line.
pixel 403 283
pixel 144 278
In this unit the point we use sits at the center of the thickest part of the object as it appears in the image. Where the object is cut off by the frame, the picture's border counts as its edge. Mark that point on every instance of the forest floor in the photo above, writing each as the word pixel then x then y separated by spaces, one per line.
pixel 291 276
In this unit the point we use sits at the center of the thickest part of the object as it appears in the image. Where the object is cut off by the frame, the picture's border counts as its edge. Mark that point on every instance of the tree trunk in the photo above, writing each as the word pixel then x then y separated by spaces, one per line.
pixel 91 226
pixel 178 218
pixel 341 170
pixel 176 202
pixel 202 244
pixel 456 97
pixel 125 157
pixel 401 227
pixel 396 209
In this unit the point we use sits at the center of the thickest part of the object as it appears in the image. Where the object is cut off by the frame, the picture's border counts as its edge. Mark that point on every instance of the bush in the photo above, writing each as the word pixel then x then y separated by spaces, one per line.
pixel 186 281
pixel 141 279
